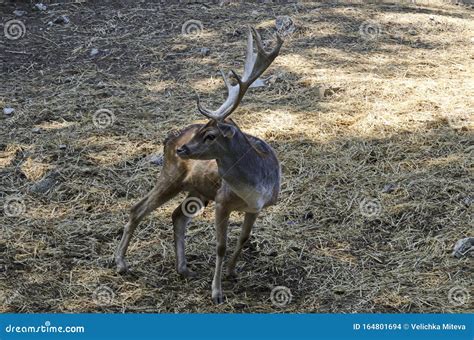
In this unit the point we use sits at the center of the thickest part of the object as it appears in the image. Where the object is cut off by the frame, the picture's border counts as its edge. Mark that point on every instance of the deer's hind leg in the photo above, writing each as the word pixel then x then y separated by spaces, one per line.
pixel 163 191
pixel 182 215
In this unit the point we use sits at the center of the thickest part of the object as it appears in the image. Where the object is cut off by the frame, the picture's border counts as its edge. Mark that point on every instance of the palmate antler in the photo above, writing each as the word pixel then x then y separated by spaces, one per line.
pixel 255 65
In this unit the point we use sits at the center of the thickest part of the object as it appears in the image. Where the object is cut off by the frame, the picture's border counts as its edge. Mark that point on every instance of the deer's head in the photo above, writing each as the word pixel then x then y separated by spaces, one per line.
pixel 212 140
pixel 219 136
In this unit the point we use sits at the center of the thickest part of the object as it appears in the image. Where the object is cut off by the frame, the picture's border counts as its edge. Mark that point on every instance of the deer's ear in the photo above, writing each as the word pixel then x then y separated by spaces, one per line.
pixel 227 130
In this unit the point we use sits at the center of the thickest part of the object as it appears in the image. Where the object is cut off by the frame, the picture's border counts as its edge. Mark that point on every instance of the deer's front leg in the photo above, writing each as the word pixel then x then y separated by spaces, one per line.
pixel 222 220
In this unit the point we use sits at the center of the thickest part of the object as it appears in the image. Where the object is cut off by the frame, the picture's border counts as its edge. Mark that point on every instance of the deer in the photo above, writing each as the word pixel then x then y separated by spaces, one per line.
pixel 217 162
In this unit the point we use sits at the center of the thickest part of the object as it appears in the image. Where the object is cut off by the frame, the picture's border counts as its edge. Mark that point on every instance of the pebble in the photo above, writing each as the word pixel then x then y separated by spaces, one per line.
pixel 205 51
pixel 388 188
pixel 62 19
pixel 46 183
pixel 156 159
pixel 19 13
pixel 40 7
pixel 284 25
pixel 8 111
pixel 463 247
pixel 467 201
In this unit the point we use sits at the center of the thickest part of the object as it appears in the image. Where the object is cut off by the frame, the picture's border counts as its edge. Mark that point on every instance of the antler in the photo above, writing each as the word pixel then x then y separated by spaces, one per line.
pixel 255 65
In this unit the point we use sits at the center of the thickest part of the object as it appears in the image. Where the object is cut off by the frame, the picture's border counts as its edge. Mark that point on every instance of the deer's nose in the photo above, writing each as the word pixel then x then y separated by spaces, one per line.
pixel 184 150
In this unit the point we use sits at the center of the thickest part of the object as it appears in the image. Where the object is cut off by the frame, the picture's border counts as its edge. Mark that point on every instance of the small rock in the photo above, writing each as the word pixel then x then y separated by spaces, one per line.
pixel 328 91
pixel 463 247
pixel 205 51
pixel 40 7
pixel 46 183
pixel 62 146
pixel 388 188
pixel 94 52
pixel 62 20
pixel 156 159
pixel 467 201
pixel 36 130
pixel 8 111
pixel 274 78
pixel 19 13
pixel 284 25
pixel 101 85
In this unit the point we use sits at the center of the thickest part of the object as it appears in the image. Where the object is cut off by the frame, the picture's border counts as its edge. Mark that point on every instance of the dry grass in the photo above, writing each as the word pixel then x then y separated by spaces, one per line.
pixel 347 116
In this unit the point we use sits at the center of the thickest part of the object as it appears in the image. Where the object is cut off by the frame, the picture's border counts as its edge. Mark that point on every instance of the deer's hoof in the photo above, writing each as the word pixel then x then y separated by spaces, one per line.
pixel 217 298
pixel 187 273
pixel 122 266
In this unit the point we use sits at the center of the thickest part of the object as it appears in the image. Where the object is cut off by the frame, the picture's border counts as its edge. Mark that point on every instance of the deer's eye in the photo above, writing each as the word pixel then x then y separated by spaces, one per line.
pixel 209 137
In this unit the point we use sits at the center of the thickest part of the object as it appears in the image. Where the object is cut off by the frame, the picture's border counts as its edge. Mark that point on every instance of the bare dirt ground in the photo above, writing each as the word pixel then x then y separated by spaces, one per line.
pixel 369 108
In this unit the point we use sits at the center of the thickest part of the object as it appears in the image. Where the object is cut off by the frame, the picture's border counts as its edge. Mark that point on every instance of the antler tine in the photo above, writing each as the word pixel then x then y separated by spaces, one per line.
pixel 255 65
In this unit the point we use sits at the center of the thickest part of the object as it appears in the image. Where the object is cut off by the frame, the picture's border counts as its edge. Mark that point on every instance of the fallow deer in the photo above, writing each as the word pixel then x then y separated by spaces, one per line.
pixel 215 161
